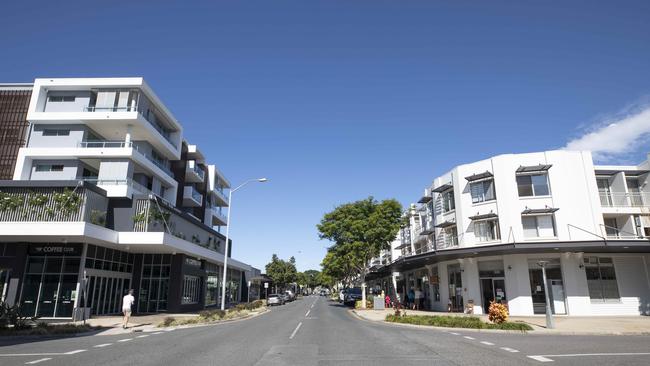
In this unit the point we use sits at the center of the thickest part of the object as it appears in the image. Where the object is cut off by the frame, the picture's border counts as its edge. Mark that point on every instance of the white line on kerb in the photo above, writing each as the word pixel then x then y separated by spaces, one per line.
pixel 75 352
pixel 102 345
pixel 37 361
pixel 468 337
pixel 295 330
pixel 540 358
pixel 509 349
pixel 487 343
pixel 306 315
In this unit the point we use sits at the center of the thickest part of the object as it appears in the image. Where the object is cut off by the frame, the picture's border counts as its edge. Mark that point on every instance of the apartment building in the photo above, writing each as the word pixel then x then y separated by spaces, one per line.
pixel 14 101
pixel 107 195
pixel 482 231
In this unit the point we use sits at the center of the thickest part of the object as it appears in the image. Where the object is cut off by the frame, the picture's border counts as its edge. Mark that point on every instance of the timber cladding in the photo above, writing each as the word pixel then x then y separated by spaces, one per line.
pixel 13 128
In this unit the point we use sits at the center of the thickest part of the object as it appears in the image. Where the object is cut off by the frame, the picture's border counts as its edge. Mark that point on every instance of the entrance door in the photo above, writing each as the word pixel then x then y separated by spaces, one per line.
pixel 555 289
pixel 493 289
pixel 455 288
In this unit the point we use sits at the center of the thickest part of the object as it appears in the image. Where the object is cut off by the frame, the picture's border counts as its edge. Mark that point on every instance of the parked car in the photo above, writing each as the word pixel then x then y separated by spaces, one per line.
pixel 323 293
pixel 342 295
pixel 290 295
pixel 352 295
pixel 275 299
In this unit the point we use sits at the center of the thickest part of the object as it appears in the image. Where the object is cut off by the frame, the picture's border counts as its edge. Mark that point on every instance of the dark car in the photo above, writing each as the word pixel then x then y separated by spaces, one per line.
pixel 352 295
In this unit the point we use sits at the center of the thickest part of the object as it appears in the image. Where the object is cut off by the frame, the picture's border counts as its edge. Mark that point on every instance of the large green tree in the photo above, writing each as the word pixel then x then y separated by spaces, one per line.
pixel 282 272
pixel 359 231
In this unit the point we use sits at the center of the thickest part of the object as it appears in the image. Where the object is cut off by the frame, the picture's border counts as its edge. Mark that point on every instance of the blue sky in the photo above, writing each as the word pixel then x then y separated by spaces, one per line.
pixel 337 100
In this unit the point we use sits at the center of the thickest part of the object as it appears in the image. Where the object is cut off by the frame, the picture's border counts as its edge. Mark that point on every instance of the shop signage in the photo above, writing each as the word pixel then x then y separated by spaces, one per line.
pixel 266 285
pixel 433 280
pixel 47 249
pixel 192 262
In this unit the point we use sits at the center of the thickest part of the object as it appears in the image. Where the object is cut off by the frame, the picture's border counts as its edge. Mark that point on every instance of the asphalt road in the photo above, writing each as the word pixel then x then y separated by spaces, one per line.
pixel 315 331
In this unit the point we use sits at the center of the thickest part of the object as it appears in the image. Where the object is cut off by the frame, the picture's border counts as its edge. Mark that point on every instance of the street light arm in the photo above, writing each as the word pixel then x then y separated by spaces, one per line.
pixel 246 182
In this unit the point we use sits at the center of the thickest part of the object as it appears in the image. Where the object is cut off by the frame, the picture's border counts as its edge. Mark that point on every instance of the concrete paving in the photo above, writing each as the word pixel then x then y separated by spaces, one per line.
pixel 316 331
pixel 576 325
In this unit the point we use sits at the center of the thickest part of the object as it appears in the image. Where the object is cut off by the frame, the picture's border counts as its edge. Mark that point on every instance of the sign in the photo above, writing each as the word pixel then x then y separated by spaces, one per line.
pixel 249 283
pixel 192 262
pixel 266 285
pixel 434 280
pixel 49 249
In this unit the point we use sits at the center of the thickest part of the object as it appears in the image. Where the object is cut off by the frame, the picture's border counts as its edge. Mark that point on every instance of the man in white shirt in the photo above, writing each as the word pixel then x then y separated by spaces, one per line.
pixel 127 303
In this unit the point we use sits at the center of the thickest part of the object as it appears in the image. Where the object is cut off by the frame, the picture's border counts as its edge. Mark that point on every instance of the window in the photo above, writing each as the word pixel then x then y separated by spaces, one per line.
pixel 487 230
pixel 540 226
pixel 450 237
pixel 532 185
pixel 56 132
pixel 448 203
pixel 601 279
pixel 191 289
pixel 49 167
pixel 482 191
pixel 61 98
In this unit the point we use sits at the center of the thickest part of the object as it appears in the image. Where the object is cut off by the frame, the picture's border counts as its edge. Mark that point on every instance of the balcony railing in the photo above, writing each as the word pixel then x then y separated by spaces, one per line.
pixel 622 199
pixel 164 133
pixel 104 144
pixel 447 241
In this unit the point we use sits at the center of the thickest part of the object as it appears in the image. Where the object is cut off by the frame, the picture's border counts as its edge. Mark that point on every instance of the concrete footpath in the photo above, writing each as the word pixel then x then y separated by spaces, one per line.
pixel 592 325
pixel 137 323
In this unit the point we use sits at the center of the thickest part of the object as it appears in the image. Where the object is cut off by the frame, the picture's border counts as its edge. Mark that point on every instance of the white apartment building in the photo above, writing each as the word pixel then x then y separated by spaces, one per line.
pixel 106 196
pixel 480 231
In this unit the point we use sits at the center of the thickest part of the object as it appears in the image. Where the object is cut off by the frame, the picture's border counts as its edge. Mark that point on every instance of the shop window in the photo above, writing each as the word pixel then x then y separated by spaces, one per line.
pixel 601 279
pixel 191 289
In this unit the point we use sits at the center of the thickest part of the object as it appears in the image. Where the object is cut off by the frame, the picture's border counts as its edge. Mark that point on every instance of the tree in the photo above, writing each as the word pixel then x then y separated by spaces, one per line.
pixel 282 272
pixel 359 231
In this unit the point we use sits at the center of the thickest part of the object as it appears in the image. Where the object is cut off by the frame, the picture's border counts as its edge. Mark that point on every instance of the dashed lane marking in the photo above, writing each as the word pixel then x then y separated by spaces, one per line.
pixel 306 315
pixel 125 340
pixel 75 352
pixel 143 336
pixel 540 358
pixel 37 361
pixel 487 343
pixel 468 337
pixel 158 333
pixel 508 349
pixel 102 345
pixel 454 333
pixel 295 330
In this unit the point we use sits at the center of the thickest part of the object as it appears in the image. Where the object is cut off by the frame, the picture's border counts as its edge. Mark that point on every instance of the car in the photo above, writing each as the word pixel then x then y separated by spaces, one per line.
pixel 275 299
pixel 290 295
pixel 352 295
pixel 342 295
pixel 284 297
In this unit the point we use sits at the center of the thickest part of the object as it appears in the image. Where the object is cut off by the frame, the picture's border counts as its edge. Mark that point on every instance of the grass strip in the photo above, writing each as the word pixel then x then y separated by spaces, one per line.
pixel 469 322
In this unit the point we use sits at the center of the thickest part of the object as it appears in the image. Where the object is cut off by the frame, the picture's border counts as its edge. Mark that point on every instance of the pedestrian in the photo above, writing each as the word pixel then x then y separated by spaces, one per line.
pixel 411 299
pixel 127 304
pixel 418 299
pixel 387 301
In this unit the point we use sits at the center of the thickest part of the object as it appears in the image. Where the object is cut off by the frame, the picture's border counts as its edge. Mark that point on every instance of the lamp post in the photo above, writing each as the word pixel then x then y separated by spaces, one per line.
pixel 225 256
pixel 549 316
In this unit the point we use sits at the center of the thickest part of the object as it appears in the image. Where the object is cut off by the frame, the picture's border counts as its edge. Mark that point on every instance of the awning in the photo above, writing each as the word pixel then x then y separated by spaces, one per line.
pixel 425 199
pixel 403 246
pixel 426 232
pixel 479 176
pixel 538 211
pixel 443 188
pixel 477 217
pixel 446 224
pixel 534 168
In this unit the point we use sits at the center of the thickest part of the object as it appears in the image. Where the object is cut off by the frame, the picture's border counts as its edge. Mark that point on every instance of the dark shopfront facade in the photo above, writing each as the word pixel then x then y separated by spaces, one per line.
pixel 48 280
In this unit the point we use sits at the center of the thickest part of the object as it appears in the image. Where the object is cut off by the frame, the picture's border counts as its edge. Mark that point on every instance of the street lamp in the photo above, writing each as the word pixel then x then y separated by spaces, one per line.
pixel 549 315
pixel 225 256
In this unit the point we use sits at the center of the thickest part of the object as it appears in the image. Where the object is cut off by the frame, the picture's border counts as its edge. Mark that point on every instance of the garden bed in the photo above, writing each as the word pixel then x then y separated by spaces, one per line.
pixel 44 329
pixel 468 322
pixel 211 316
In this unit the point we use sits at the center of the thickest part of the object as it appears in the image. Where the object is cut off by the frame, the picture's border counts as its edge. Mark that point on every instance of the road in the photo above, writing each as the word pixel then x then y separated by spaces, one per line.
pixel 315 331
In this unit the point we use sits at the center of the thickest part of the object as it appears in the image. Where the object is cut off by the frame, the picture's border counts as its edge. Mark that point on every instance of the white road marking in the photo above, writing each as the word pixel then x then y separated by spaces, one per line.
pixel 540 358
pixel 169 330
pixel 306 315
pixel 598 354
pixel 37 361
pixel 468 337
pixel 487 343
pixel 125 340
pixel 75 352
pixel 455 333
pixel 30 354
pixel 102 345
pixel 143 336
pixel 512 350
pixel 158 333
pixel 295 330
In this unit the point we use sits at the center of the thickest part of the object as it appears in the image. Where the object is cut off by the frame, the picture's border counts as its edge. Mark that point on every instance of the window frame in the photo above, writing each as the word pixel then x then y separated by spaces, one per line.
pixel 599 264
pixel 537 227
pixel 48 132
pixel 484 193
pixel 531 185
pixel 448 201
pixel 494 229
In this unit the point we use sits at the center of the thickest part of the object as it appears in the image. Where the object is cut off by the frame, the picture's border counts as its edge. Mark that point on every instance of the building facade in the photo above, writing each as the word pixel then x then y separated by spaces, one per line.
pixel 482 231
pixel 107 196
pixel 14 102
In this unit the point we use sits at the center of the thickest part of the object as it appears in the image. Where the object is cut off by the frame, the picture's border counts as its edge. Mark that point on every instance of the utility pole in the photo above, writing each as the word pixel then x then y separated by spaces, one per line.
pixel 549 315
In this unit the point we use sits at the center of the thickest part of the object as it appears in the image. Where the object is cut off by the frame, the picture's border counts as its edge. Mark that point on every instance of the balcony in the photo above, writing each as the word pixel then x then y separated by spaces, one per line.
pixel 218 217
pixel 622 199
pixel 446 241
pixel 123 144
pixel 192 197
pixel 193 173
pixel 221 198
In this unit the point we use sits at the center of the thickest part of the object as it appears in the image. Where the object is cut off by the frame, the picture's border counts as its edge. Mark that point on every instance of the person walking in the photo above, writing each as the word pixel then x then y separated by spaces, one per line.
pixel 411 299
pixel 418 299
pixel 127 304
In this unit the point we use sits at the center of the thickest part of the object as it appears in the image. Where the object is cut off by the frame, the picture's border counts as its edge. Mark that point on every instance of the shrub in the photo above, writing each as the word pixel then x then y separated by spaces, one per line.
pixel 11 315
pixel 455 322
pixel 358 303
pixel 169 320
pixel 214 314
pixel 497 313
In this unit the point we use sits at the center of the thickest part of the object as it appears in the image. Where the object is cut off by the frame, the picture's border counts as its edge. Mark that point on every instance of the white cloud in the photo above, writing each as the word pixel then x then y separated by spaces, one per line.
pixel 610 138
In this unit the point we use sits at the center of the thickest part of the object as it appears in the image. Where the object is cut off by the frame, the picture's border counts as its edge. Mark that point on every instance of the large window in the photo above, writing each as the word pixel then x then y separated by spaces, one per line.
pixel 601 279
pixel 154 285
pixel 213 284
pixel 540 226
pixel 49 167
pixel 108 259
pixel 448 203
pixel 487 230
pixel 482 191
pixel 191 289
pixel 450 237
pixel 533 185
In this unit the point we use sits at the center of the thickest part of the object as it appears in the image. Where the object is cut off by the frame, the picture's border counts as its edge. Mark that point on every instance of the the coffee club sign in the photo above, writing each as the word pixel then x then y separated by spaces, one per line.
pixel 54 249
pixel 192 262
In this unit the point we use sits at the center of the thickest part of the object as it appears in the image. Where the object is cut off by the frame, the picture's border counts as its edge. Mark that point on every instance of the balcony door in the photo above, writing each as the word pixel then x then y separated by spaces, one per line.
pixel 604 191
pixel 634 191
